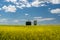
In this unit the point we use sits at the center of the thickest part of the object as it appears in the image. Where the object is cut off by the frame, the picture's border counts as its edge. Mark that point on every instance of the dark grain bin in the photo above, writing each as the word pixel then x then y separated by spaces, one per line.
pixel 28 23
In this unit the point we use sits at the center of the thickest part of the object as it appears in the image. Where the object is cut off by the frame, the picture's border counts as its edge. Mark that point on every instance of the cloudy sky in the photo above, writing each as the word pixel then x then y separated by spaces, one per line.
pixel 19 11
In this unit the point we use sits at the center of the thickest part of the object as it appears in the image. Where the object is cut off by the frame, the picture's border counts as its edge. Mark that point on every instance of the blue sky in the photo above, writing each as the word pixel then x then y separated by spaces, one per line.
pixel 19 11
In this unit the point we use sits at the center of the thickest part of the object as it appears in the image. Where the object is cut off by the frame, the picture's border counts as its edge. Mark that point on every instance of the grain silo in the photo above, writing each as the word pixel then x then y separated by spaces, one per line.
pixel 35 22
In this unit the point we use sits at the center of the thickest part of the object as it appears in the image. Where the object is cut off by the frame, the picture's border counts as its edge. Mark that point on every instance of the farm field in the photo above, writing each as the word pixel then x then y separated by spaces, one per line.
pixel 42 32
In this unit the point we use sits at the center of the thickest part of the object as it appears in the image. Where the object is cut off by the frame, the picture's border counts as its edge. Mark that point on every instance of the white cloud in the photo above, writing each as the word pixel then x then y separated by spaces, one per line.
pixel 24 3
pixel 48 19
pixel 49 8
pixel 21 7
pixel 3 20
pixel 16 21
pixel 55 1
pixel 43 5
pixel 44 19
pixel 36 3
pixel 11 1
pixel 55 11
pixel 23 0
pixel 26 14
pixel 9 8
pixel 28 5
pixel 37 17
pixel 0 9
pixel 50 1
